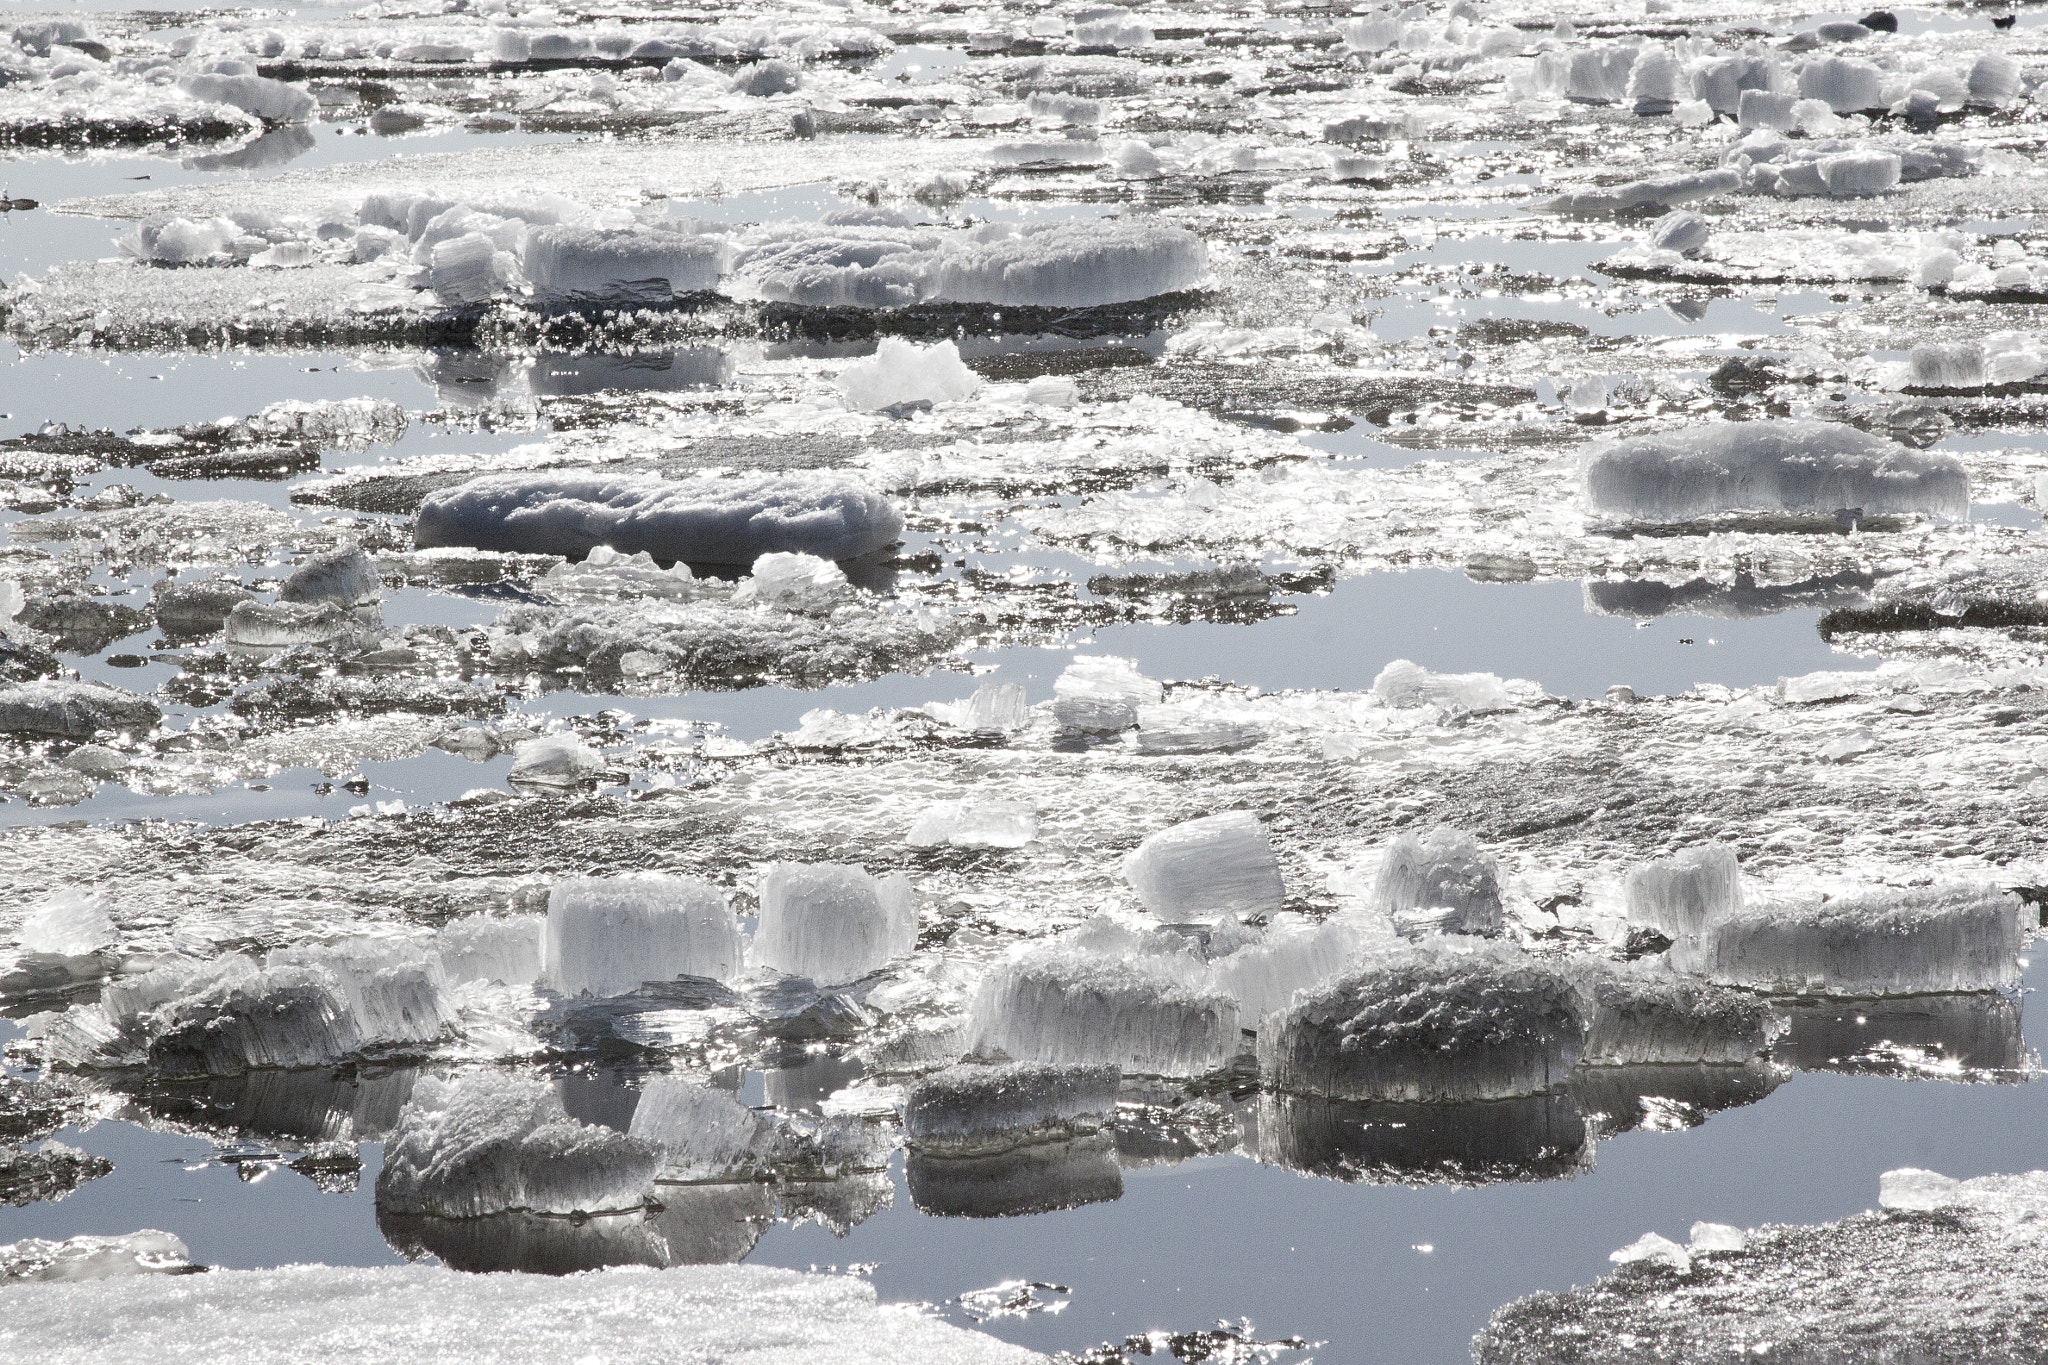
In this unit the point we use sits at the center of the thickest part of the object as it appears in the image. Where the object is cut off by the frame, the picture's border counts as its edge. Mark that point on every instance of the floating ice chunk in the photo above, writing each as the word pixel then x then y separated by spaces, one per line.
pixel 1217 865
pixel 233 1017
pixel 1921 1191
pixel 1772 109
pixel 1060 1003
pixel 1403 683
pixel 793 582
pixel 490 948
pixel 1136 161
pixel 491 1142
pixel 608 935
pixel 1692 113
pixel 70 923
pixel 1684 233
pixel 75 710
pixel 974 824
pixel 271 101
pixel 1721 82
pixel 471 269
pixel 1654 1250
pixel 280 625
pixel 1446 870
pixel 1600 75
pixel 1666 191
pixel 1707 1238
pixel 1886 942
pixel 1656 81
pixel 1933 365
pixel 995 708
pixel 1995 79
pixel 1856 173
pixel 1811 468
pixel 1427 1025
pixel 831 922
pixel 1375 127
pixel 1101 694
pixel 1680 895
pixel 1070 110
pixel 148 1252
pixel 1847 85
pixel 1650 1015
pixel 704 1133
pixel 1290 956
pixel 346 577
pixel 1115 31
pixel 554 761
pixel 902 372
pixel 981 1110
pixel 1195 728
pixel 703 520
pixel 763 79
pixel 1071 264
pixel 623 266
pixel 97 761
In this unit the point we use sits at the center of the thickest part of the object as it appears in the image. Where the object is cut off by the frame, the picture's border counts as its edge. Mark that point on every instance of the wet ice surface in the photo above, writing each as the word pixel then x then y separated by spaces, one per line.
pixel 1290 472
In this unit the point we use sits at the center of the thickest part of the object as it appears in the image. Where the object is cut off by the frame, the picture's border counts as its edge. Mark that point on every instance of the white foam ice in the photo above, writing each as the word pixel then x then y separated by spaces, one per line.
pixel 832 923
pixel 272 101
pixel 974 824
pixel 1101 694
pixel 1710 1238
pixel 702 520
pixel 901 372
pixel 608 935
pixel 1907 941
pixel 1443 870
pixel 36 1260
pixel 977 1110
pixel 1216 865
pixel 1796 467
pixel 1680 895
pixel 345 576
pixel 489 1142
pixel 1068 1003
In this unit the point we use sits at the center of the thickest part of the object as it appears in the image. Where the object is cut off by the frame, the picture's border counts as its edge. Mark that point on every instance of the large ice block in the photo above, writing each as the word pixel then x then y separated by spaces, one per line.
pixel 979 1110
pixel 1648 1014
pixel 1444 869
pixel 1917 940
pixel 608 935
pixel 393 988
pixel 1071 264
pixel 344 576
pixel 704 1133
pixel 566 263
pixel 75 710
pixel 831 922
pixel 1680 895
pixel 1216 865
pixel 1425 1025
pixel 480 947
pixel 1291 955
pixel 490 1142
pixel 1064 1004
pixel 1101 694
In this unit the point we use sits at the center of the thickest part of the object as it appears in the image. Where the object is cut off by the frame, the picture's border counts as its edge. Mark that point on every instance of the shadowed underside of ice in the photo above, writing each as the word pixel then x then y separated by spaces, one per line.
pixel 1952 1271
pixel 1217 865
pixel 1427 1025
pixel 608 935
pixel 491 1142
pixel 321 1315
pixel 1884 942
pixel 1061 1003
pixel 978 1110
pixel 1794 467
pixel 700 521
pixel 831 922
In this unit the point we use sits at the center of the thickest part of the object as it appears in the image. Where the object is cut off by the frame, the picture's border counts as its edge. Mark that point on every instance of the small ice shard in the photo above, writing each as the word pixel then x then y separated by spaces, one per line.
pixel 1216 865
pixel 490 1142
pixel 1680 895
pixel 1709 1238
pixel 1198 728
pixel 1911 941
pixel 490 948
pixel 831 922
pixel 185 607
pixel 1847 85
pixel 699 520
pixel 1652 1249
pixel 148 1252
pixel 609 935
pixel 554 761
pixel 271 101
pixel 1060 1003
pixel 1910 1188
pixel 1649 1015
pixel 974 824
pixel 1444 869
pixel 1262 976
pixel 1101 694
pixel 1932 365
pixel 346 577
pixel 75 710
pixel 566 263
pixel 1665 191
pixel 901 372
pixel 704 1133
pixel 980 1110
pixel 69 923
pixel 1427 1025
pixel 793 582
pixel 281 625
pixel 1797 467
pixel 1679 231
pixel 1403 683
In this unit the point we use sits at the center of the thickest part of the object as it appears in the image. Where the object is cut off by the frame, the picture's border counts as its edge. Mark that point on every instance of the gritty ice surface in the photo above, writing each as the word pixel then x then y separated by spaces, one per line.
pixel 832 923
pixel 1218 865
pixel 1062 1004
pixel 607 935
pixel 977 1110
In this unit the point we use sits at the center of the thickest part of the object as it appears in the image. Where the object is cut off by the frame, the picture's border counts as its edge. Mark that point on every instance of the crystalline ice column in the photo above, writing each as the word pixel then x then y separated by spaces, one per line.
pixel 608 935
pixel 1678 896
pixel 1217 865
pixel 1443 869
pixel 1063 1004
pixel 832 923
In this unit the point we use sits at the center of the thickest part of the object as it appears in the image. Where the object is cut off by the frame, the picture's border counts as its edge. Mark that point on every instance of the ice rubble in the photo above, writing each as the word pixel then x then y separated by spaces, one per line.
pixel 700 521
pixel 75 710
pixel 975 1110
pixel 1404 683
pixel 1217 865
pixel 1064 1003
pixel 1797 467
pixel 1958 1286
pixel 69 923
pixel 1680 895
pixel 1427 1025
pixel 1953 937
pixel 901 372
pixel 1101 694
pixel 832 923
pixel 608 935
pixel 322 1315
pixel 1443 880
pixel 35 1260
pixel 487 1143
pixel 974 824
